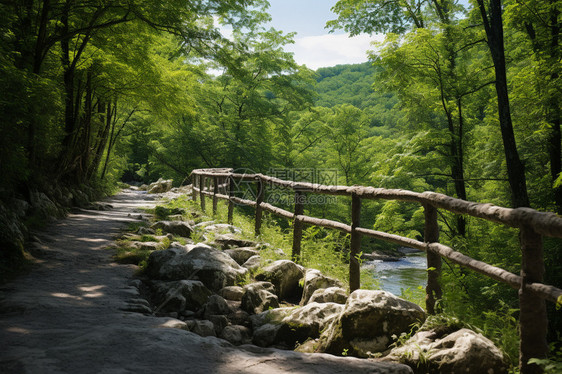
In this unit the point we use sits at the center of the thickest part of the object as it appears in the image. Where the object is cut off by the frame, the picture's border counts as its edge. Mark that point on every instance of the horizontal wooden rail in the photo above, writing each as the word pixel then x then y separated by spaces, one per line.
pixel 548 224
pixel 532 224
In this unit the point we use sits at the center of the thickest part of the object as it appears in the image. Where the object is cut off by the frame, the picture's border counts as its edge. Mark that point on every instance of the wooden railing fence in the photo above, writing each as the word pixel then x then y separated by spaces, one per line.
pixel 531 223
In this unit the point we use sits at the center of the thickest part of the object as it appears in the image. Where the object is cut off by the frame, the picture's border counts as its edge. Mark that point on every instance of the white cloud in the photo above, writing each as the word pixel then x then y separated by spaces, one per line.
pixel 332 49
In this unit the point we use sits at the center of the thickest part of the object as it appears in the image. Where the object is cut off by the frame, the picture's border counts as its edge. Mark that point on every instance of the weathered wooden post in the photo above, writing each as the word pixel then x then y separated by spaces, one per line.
pixel 259 200
pixel 215 192
pixel 297 226
pixel 433 290
pixel 533 323
pixel 354 266
pixel 230 202
pixel 193 185
pixel 201 190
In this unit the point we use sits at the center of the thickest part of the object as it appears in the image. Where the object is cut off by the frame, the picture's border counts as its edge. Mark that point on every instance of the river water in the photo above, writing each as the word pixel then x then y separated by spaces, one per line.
pixel 410 272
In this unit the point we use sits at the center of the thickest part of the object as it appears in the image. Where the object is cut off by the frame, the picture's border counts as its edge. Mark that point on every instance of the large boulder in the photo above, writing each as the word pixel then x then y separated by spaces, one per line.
pixel 212 267
pixel 259 297
pixel 367 323
pixel 160 186
pixel 298 325
pixel 463 351
pixel 329 295
pixel 241 255
pixel 285 275
pixel 315 280
pixel 177 296
pixel 178 228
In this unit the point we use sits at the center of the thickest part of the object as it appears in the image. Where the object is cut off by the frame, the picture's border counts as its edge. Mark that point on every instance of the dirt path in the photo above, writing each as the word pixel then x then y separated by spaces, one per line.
pixel 72 314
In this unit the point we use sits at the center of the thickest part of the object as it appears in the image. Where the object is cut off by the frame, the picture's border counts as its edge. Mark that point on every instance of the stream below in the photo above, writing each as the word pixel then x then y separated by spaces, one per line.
pixel 407 273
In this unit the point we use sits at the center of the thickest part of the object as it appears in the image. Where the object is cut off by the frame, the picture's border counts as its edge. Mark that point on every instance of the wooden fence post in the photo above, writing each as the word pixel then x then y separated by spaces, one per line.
pixel 431 235
pixel 201 189
pixel 297 227
pixel 193 185
pixel 354 266
pixel 259 200
pixel 533 323
pixel 215 192
pixel 230 203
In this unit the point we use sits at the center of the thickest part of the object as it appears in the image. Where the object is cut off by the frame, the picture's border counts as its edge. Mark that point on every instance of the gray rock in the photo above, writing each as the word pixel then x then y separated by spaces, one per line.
pixel 12 235
pixel 285 275
pixel 203 328
pixel 297 326
pixel 146 231
pixel 41 204
pixel 329 295
pixel 147 246
pixel 259 297
pixel 212 267
pixel 252 263
pixel 215 305
pixel 219 321
pixel 178 228
pixel 222 228
pixel 241 255
pixel 177 296
pixel 236 334
pixel 19 207
pixel 227 241
pixel 239 317
pixel 463 351
pixel 367 323
pixel 270 316
pixel 234 293
pixel 315 280
pixel 160 186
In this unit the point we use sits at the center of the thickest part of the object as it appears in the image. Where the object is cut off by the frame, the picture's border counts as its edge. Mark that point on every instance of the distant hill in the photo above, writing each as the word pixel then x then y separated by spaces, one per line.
pixel 349 84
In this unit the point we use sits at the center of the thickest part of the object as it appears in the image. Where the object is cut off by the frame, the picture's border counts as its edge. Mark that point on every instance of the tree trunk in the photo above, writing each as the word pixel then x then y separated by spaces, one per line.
pixel 515 168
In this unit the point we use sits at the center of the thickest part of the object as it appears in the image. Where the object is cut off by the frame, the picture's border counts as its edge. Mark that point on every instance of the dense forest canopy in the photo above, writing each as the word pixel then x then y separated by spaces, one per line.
pixel 462 99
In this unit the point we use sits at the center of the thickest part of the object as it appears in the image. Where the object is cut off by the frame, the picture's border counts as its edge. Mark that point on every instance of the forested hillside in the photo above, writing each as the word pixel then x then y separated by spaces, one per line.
pixel 461 100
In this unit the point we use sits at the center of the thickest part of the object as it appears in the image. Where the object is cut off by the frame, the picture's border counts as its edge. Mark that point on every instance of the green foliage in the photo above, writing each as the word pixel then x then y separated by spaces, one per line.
pixel 552 365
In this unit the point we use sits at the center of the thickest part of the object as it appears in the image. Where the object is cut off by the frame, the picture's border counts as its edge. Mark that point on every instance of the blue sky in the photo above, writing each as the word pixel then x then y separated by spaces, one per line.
pixel 314 46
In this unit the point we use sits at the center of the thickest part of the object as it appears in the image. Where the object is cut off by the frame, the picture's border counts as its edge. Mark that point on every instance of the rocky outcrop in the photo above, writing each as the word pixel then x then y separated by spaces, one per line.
pixel 329 295
pixel 367 323
pixel 463 351
pixel 285 276
pixel 178 228
pixel 212 267
pixel 315 280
